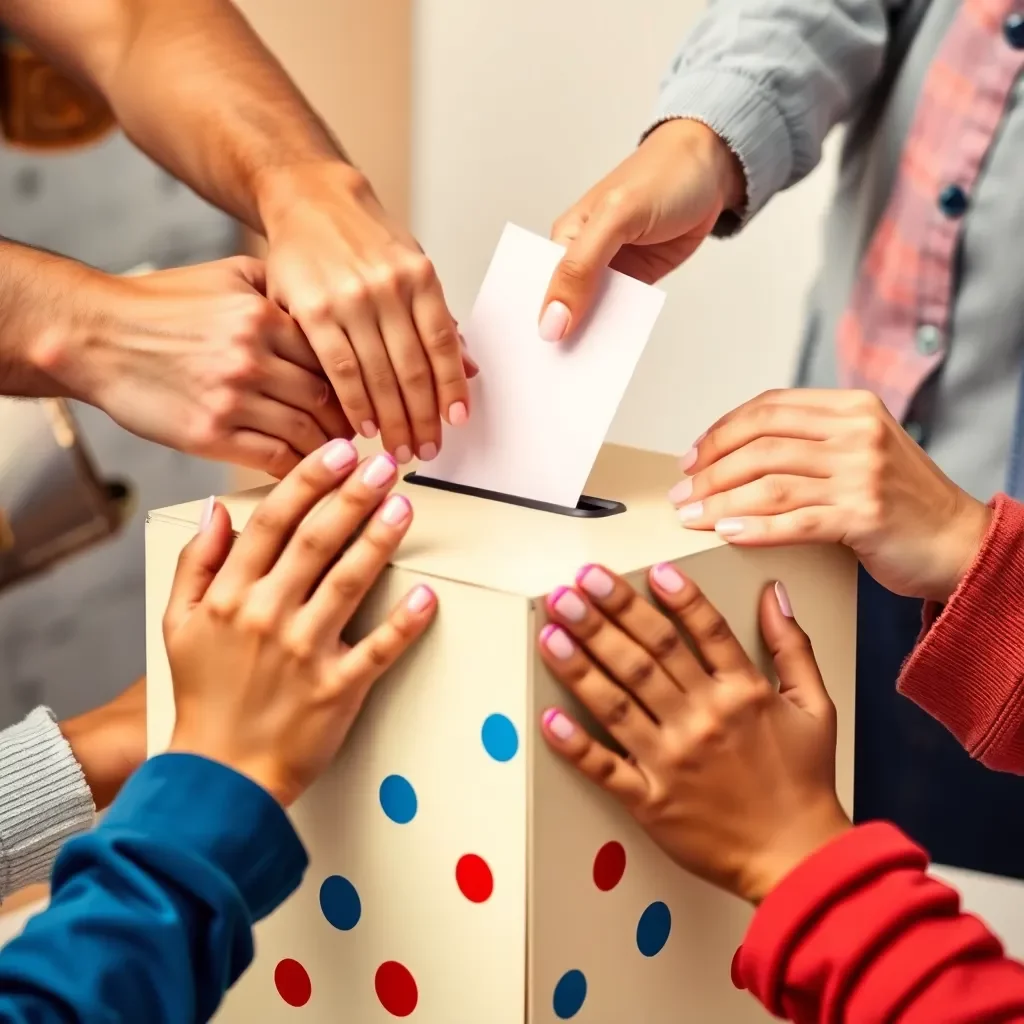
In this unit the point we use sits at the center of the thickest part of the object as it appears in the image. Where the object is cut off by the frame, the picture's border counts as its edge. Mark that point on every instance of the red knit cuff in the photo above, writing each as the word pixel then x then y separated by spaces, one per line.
pixel 800 901
pixel 968 669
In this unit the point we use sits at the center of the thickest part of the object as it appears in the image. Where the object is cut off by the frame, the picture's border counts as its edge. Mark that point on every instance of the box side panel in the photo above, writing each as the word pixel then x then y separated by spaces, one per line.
pixel 433 723
pixel 580 933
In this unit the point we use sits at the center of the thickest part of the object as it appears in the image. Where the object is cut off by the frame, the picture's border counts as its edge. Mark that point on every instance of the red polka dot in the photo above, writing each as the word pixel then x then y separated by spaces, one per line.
pixel 396 989
pixel 293 984
pixel 609 866
pixel 475 880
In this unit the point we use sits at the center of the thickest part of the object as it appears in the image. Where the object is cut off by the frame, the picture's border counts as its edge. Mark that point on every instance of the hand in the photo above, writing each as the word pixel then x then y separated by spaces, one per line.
pixel 200 360
pixel 808 467
pixel 370 303
pixel 262 680
pixel 645 219
pixel 110 742
pixel 735 781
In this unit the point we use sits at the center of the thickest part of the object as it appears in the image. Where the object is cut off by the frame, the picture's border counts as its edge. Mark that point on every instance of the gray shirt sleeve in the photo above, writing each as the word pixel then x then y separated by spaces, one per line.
pixel 772 78
pixel 44 800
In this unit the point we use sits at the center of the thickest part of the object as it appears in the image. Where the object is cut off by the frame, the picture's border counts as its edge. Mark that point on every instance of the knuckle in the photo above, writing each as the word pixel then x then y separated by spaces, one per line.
pixel 603 769
pixel 714 629
pixel 417 376
pixel 420 271
pixel 257 619
pixel 617 711
pixel 265 520
pixel 379 653
pixel 443 342
pixel 665 643
pixel 313 309
pixel 222 403
pixel 345 588
pixel 617 201
pixel 204 432
pixel 638 671
pixel 314 544
pixel 278 458
pixel 383 279
pixel 777 491
pixel 221 608
pixel 345 367
pixel 354 293
pixel 573 271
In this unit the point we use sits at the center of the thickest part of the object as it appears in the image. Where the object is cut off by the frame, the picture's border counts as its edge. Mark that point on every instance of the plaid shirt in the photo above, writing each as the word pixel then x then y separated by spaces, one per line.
pixel 893 335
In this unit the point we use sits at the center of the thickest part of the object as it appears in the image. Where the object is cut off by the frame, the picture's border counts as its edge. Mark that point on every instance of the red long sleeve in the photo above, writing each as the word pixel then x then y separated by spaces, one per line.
pixel 968 669
pixel 860 934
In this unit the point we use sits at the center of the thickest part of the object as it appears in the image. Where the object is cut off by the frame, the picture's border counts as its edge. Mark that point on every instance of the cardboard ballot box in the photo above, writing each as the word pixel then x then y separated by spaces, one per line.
pixel 460 873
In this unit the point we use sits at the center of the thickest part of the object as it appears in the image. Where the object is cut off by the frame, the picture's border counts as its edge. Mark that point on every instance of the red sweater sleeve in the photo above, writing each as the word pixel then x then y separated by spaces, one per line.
pixel 968 668
pixel 860 934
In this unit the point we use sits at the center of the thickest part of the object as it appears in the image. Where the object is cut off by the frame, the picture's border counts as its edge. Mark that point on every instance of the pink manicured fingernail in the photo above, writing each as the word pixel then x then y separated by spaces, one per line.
pixel 458 413
pixel 729 527
pixel 396 510
pixel 691 513
pixel 667 577
pixel 557 642
pixel 403 454
pixel 681 492
pixel 687 460
pixel 339 455
pixel 379 471
pixel 368 428
pixel 428 451
pixel 555 321
pixel 783 598
pixel 595 581
pixel 568 604
pixel 557 724
pixel 206 516
pixel 419 600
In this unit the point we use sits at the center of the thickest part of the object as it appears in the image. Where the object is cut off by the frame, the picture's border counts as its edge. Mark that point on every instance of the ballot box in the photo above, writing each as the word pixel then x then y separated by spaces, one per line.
pixel 460 873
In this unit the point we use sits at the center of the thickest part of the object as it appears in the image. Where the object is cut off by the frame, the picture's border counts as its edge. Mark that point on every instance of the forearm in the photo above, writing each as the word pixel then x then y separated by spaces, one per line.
pixel 44 800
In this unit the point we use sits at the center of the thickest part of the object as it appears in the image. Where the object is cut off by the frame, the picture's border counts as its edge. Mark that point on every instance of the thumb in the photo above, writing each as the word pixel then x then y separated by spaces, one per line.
pixel 252 271
pixel 589 250
pixel 200 560
pixel 790 647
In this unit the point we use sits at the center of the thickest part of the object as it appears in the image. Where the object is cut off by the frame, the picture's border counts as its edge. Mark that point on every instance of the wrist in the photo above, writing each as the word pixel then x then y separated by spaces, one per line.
pixel 726 171
pixel 280 191
pixel 960 544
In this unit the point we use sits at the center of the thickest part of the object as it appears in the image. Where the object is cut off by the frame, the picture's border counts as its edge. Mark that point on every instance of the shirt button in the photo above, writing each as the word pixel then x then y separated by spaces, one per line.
pixel 953 201
pixel 914 431
pixel 929 340
pixel 1013 29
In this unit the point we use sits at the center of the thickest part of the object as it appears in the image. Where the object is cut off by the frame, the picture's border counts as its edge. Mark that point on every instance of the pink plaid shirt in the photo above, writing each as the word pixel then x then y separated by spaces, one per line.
pixel 893 335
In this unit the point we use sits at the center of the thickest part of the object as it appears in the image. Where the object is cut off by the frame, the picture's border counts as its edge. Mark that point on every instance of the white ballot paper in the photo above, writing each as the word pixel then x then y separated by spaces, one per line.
pixel 540 410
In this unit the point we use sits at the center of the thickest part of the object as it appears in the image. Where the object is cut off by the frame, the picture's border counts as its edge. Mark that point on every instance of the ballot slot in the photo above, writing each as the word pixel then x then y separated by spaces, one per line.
pixel 586 508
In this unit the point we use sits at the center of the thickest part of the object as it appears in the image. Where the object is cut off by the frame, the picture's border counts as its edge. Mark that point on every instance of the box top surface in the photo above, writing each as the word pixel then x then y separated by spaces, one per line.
pixel 504 547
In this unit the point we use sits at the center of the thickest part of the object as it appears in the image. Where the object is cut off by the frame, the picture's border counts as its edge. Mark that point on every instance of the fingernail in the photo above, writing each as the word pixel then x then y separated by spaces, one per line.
pixel 557 724
pixel 403 454
pixel 428 451
pixel 690 513
pixel 557 642
pixel 667 577
pixel 687 460
pixel 783 598
pixel 729 527
pixel 368 428
pixel 568 604
pixel 555 321
pixel 206 516
pixel 680 492
pixel 595 581
pixel 457 414
pixel 339 455
pixel 419 600
pixel 396 510
pixel 379 471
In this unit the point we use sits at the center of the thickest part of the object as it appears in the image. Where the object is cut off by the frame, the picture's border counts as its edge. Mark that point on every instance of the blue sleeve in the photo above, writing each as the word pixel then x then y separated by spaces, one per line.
pixel 151 914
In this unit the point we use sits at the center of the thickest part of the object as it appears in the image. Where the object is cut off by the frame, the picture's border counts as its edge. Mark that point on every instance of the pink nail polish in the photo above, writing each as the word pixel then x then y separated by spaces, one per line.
pixel 419 600
pixel 557 641
pixel 687 460
pixel 595 581
pixel 403 454
pixel 206 516
pixel 339 455
pixel 667 577
pixel 428 452
pixel 379 471
pixel 691 513
pixel 681 492
pixel 568 604
pixel 458 414
pixel 555 322
pixel 729 527
pixel 557 724
pixel 396 510
pixel 368 428
pixel 783 598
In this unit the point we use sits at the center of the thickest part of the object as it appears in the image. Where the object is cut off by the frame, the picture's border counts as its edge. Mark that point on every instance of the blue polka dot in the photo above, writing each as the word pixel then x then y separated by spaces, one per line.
pixel 500 738
pixel 570 993
pixel 398 799
pixel 339 902
pixel 653 930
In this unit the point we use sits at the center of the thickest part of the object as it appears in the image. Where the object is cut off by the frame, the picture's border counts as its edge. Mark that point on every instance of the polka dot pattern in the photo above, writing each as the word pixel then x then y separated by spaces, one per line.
pixel 609 866
pixel 570 995
pixel 653 929
pixel 398 799
pixel 499 736
pixel 292 983
pixel 474 878
pixel 396 988
pixel 340 903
